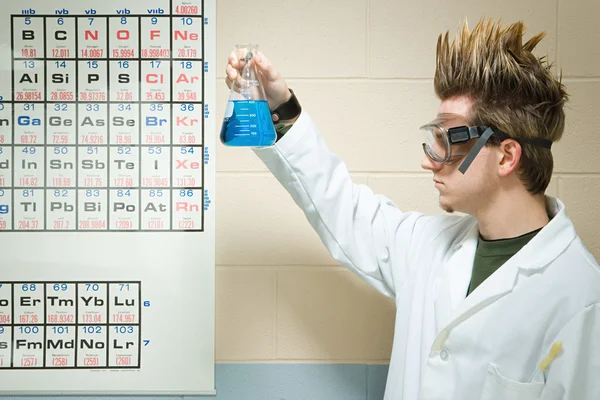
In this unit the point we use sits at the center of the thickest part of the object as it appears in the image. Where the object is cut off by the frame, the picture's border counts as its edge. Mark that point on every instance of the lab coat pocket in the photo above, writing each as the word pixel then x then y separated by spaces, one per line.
pixel 498 387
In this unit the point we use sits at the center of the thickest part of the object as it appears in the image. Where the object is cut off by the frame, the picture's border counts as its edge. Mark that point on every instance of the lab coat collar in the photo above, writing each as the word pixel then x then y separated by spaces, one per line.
pixel 550 242
pixel 553 238
pixel 544 248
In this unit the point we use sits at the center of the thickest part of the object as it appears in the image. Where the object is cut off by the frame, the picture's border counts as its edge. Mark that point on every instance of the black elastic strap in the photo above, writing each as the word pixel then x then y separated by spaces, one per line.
pixel 547 144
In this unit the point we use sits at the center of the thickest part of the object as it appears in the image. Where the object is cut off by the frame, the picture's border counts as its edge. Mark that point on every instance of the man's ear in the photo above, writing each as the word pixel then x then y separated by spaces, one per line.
pixel 509 155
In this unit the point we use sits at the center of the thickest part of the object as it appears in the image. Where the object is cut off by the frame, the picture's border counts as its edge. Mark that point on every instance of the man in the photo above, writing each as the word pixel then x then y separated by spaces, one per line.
pixel 503 303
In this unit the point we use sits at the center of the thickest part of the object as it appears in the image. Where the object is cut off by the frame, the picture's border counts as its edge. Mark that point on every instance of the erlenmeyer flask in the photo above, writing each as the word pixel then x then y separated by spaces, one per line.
pixel 247 120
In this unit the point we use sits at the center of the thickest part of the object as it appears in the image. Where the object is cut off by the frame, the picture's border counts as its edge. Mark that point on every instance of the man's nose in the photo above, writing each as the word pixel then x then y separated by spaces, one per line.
pixel 430 165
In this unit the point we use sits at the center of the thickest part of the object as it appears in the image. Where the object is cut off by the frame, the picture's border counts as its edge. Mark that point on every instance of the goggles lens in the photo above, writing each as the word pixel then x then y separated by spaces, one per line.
pixel 435 142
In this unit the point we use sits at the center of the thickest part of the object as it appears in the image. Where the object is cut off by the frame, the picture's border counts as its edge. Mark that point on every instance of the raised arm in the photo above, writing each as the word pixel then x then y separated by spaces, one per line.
pixel 362 230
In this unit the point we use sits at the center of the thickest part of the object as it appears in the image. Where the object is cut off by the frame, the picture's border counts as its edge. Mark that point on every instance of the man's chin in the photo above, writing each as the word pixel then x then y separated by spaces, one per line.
pixel 446 206
pixel 447 209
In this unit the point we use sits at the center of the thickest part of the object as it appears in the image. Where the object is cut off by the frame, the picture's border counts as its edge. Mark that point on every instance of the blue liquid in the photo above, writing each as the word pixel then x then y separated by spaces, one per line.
pixel 249 124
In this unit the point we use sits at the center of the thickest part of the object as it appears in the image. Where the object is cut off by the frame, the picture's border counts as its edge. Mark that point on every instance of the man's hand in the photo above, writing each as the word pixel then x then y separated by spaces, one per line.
pixel 275 87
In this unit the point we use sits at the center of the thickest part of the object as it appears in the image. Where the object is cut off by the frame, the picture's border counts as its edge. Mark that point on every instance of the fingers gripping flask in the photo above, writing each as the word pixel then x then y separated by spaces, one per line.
pixel 247 121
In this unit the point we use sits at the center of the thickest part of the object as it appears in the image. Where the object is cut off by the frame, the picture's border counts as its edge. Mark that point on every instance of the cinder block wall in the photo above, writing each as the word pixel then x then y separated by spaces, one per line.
pixel 363 69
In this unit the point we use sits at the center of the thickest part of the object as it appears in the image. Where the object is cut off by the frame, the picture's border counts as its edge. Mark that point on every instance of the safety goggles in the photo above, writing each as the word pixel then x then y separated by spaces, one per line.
pixel 448 139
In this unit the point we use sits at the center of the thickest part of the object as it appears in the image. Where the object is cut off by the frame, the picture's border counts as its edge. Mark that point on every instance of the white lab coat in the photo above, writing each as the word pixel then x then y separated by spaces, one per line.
pixel 485 346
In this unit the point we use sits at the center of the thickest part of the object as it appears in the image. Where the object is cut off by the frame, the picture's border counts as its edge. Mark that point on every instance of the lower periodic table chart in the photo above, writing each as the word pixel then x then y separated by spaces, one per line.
pixel 46 325
pixel 102 120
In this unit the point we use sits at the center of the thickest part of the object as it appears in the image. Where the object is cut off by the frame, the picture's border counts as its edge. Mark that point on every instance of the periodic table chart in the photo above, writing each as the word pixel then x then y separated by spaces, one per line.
pixel 106 196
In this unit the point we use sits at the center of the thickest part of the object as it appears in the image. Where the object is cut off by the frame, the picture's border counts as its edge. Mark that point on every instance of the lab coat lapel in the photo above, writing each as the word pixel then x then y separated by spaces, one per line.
pixel 538 253
pixel 495 287
pixel 460 267
pixel 459 275
pixel 456 278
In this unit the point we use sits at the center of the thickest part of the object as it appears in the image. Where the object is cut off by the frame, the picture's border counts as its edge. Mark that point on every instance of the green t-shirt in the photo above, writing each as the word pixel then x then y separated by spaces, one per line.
pixel 281 129
pixel 491 254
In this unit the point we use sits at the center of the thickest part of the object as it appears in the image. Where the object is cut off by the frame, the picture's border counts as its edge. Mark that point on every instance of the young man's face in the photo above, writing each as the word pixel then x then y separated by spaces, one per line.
pixel 466 193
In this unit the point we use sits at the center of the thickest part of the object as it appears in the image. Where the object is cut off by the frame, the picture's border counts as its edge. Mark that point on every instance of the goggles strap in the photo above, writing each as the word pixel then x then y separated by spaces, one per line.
pixel 547 144
pixel 475 150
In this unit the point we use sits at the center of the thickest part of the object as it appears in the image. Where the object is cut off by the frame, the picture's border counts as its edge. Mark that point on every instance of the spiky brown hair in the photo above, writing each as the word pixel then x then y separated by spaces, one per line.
pixel 511 89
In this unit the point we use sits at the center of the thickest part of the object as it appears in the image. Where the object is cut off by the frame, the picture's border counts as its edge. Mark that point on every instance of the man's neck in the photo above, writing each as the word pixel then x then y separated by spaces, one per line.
pixel 512 214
